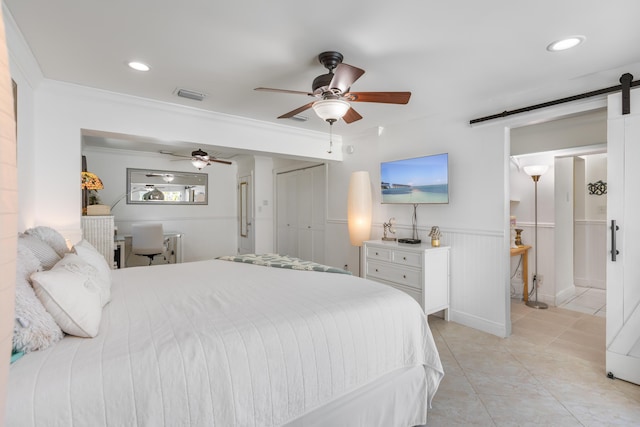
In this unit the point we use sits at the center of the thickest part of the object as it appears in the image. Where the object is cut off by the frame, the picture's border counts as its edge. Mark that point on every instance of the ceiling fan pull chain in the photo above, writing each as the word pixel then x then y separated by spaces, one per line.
pixel 330 135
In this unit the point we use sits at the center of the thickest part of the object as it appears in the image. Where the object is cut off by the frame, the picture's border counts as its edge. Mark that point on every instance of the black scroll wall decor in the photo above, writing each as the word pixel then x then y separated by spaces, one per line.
pixel 597 188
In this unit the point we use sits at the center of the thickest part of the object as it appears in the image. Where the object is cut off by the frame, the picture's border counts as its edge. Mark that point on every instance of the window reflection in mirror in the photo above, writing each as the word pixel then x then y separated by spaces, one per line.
pixel 149 186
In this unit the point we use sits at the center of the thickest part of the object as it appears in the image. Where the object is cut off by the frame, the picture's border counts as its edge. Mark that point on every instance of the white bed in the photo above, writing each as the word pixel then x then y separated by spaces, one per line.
pixel 218 343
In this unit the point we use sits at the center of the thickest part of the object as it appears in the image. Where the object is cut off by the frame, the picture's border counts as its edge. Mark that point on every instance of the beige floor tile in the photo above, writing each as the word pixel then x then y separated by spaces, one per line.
pixel 549 372
pixel 467 411
pixel 524 385
pixel 516 411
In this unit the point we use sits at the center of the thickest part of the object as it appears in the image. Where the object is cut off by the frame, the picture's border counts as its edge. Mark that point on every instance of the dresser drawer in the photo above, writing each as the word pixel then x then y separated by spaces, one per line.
pixel 412 259
pixel 394 273
pixel 378 253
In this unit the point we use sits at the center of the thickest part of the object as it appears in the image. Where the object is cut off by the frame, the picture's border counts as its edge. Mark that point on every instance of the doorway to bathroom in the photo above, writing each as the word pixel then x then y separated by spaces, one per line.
pixel 571 210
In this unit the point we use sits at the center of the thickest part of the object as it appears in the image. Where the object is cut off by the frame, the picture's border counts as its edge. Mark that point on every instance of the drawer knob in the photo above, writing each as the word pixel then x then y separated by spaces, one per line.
pixel 404 276
pixel 376 270
pixel 376 253
pixel 404 258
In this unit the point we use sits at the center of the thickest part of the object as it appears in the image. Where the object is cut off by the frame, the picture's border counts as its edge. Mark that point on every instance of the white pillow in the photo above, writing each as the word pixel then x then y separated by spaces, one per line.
pixel 51 237
pixel 71 294
pixel 90 254
pixel 34 328
pixel 45 253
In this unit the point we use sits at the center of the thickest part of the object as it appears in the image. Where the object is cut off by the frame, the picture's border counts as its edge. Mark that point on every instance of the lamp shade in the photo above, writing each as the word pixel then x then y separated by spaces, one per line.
pixel 90 181
pixel 359 208
pixel 536 170
pixel 199 163
pixel 331 109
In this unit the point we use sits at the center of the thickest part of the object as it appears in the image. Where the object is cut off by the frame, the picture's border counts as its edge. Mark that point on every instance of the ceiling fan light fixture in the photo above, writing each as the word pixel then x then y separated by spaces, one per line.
pixel 331 110
pixel 199 163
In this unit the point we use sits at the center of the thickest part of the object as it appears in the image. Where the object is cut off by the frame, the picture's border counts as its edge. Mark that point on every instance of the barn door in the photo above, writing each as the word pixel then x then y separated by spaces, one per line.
pixel 623 247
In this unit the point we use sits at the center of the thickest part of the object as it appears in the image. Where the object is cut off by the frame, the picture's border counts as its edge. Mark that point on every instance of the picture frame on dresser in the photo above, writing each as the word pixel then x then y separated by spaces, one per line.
pixel 419 270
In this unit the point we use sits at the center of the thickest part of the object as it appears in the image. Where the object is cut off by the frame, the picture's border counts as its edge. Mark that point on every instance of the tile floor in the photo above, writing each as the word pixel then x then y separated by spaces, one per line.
pixel 549 372
pixel 588 300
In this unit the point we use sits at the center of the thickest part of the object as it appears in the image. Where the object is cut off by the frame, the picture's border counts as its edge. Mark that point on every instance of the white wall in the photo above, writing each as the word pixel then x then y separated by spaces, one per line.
pixel 264 205
pixel 8 219
pixel 473 223
pixel 591 227
pixel 208 230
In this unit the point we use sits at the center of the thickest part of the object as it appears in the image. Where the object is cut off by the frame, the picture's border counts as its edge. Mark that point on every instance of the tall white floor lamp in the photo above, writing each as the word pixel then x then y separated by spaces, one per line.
pixel 359 211
pixel 535 172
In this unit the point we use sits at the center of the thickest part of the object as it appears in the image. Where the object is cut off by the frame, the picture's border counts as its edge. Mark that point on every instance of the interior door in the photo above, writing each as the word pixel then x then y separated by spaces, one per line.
pixel 623 247
pixel 245 215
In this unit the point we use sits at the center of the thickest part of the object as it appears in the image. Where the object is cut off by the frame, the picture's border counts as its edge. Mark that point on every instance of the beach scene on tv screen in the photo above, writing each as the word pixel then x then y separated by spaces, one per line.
pixel 419 180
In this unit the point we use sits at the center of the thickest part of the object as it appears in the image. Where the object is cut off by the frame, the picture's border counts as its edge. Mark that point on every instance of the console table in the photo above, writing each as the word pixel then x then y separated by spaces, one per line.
pixel 524 252
pixel 421 271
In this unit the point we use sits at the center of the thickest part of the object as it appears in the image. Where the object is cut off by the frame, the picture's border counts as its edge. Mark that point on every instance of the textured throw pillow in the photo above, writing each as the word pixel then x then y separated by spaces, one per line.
pixel 34 328
pixel 51 237
pixel 45 253
pixel 71 294
pixel 90 254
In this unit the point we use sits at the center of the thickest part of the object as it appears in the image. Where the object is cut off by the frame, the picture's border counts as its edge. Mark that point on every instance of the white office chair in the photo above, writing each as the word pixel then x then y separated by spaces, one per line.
pixel 147 240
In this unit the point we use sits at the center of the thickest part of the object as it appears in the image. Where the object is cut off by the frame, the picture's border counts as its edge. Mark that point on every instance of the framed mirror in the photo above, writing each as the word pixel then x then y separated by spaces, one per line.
pixel 162 187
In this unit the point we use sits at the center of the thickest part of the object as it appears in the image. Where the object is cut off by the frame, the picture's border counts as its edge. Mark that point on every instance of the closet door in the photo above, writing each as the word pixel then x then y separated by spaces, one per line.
pixel 318 217
pixel 301 199
pixel 305 214
pixel 287 213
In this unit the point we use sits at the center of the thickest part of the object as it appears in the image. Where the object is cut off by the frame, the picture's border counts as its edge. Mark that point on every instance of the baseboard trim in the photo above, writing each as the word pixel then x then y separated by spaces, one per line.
pixel 565 295
pixel 478 323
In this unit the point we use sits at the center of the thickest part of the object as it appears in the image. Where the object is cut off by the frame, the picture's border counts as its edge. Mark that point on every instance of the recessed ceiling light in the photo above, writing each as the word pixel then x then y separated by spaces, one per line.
pixel 139 66
pixel 566 43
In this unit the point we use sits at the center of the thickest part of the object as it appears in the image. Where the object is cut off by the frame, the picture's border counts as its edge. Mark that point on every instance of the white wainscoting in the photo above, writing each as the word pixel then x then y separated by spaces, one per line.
pixel 477 279
pixel 477 270
pixel 590 257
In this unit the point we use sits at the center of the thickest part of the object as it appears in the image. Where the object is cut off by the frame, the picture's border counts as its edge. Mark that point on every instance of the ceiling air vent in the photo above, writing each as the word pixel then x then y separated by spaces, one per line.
pixel 197 96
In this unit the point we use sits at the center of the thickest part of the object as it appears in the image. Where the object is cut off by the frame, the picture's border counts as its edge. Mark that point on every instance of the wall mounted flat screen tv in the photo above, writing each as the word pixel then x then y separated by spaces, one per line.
pixel 416 181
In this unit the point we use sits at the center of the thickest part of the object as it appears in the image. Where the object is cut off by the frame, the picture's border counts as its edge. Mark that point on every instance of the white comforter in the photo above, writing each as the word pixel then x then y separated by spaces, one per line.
pixel 217 343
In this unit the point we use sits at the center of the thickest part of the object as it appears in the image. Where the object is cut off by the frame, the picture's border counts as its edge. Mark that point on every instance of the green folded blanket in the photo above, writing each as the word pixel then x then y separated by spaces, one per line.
pixel 282 261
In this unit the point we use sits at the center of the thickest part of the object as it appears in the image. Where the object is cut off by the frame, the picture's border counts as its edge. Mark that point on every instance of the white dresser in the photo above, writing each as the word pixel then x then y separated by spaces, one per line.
pixel 421 271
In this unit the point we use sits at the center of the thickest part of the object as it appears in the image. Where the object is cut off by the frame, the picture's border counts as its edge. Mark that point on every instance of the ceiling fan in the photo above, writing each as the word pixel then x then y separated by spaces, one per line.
pixel 200 159
pixel 333 91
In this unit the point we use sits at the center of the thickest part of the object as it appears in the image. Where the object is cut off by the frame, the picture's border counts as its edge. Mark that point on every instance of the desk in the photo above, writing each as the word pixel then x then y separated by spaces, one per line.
pixel 123 248
pixel 524 251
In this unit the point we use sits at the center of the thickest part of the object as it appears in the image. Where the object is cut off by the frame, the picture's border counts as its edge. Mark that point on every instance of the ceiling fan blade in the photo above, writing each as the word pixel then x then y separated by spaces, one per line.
pixel 295 92
pixel 344 77
pixel 226 162
pixel 351 116
pixel 296 111
pixel 382 97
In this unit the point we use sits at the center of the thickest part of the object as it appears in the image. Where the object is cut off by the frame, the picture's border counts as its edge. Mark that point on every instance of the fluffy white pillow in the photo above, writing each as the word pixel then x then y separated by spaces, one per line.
pixel 71 294
pixel 51 237
pixel 34 328
pixel 90 254
pixel 45 253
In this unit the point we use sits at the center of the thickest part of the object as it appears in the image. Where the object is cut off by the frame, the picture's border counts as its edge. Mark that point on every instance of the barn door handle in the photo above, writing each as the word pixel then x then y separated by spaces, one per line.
pixel 614 250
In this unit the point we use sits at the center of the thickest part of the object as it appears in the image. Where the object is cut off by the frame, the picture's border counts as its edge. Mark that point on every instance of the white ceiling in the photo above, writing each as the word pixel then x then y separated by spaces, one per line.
pixel 461 59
